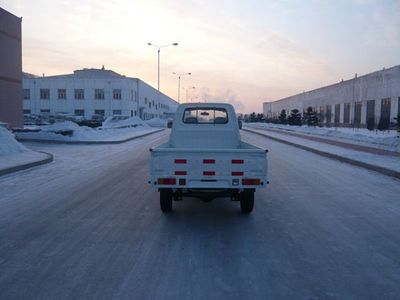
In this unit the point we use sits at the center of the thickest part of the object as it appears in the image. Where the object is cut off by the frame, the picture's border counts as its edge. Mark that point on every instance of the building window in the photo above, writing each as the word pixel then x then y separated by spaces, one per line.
pixel 145 100
pixel 99 112
pixel 117 94
pixel 370 114
pixel 398 107
pixel 45 111
pixel 79 112
pixel 44 94
pixel 117 112
pixel 27 94
pixel 99 94
pixel 346 113
pixel 337 113
pixel 322 114
pixel 328 113
pixel 62 93
pixel 27 111
pixel 357 112
pixel 385 114
pixel 79 94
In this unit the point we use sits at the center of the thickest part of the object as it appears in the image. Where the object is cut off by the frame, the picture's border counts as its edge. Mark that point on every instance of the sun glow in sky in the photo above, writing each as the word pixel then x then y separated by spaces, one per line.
pixel 242 52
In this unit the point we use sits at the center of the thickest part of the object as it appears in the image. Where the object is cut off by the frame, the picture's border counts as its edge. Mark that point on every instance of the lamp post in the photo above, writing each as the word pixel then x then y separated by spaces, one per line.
pixel 179 82
pixel 158 52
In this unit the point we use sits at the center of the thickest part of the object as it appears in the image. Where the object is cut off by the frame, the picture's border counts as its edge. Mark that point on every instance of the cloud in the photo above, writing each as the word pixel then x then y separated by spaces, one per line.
pixel 383 26
pixel 207 94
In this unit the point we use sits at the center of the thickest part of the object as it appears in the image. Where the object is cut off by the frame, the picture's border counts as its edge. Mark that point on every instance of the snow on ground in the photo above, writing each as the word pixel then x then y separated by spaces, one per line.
pixel 112 131
pixel 13 153
pixel 385 161
pixel 157 122
pixel 388 140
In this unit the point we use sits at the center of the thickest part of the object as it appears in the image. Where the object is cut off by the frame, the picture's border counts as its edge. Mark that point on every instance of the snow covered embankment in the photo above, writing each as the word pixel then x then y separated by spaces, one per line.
pixel 387 140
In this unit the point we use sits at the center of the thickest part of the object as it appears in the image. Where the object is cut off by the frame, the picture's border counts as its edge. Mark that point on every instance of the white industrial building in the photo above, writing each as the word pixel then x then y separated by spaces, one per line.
pixel 89 92
pixel 373 98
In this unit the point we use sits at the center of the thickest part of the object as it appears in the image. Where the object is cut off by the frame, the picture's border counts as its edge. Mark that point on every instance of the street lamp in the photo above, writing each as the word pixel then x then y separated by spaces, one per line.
pixel 158 51
pixel 179 82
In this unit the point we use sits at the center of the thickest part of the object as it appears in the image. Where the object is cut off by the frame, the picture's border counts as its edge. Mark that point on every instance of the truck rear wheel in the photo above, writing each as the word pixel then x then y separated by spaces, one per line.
pixel 247 201
pixel 165 200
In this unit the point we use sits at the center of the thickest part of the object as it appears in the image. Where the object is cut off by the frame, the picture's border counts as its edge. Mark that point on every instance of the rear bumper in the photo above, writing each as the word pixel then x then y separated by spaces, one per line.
pixel 210 183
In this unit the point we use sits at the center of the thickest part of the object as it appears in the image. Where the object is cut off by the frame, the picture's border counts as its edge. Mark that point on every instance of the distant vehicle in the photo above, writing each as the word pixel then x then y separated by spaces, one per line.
pixel 169 123
pixel 98 117
pixel 206 158
pixel 94 122
pixel 63 116
pixel 114 119
pixel 32 119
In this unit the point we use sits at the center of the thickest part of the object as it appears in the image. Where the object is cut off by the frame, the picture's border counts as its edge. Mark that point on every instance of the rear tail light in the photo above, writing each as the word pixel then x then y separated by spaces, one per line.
pixel 248 181
pixel 167 181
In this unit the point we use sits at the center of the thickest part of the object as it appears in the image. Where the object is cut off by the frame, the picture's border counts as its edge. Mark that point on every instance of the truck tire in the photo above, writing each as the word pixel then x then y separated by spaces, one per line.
pixel 165 200
pixel 247 201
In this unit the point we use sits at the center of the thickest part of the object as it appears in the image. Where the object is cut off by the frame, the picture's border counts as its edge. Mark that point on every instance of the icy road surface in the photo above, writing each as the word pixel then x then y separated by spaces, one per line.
pixel 88 226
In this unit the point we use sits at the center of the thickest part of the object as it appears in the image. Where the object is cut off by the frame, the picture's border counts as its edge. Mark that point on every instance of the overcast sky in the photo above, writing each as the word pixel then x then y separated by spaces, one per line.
pixel 243 52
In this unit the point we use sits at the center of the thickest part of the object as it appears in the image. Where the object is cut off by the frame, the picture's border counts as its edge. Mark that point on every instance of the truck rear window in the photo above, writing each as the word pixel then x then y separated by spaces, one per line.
pixel 204 115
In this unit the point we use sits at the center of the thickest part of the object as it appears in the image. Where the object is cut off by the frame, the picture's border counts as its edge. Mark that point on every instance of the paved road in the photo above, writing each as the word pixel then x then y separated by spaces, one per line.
pixel 92 229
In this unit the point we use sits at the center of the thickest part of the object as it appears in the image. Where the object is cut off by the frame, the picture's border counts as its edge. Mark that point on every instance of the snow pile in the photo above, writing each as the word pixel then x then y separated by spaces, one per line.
pixel 66 125
pixel 157 122
pixel 8 144
pixel 388 140
pixel 13 154
pixel 119 122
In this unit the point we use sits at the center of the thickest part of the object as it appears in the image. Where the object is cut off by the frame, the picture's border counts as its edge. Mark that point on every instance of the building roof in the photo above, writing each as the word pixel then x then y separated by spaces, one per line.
pixel 96 73
pixel 342 82
pixel 84 73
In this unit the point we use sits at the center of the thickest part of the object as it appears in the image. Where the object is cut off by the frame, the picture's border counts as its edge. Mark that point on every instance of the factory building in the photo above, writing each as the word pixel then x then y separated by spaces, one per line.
pixel 10 70
pixel 370 100
pixel 90 92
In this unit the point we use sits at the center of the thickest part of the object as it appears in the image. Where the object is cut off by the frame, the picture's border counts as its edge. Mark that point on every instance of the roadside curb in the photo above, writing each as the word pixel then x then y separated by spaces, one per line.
pixel 382 170
pixel 49 159
pixel 89 142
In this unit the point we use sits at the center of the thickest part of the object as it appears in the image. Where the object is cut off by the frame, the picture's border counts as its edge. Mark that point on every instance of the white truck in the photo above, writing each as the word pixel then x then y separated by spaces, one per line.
pixel 206 158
